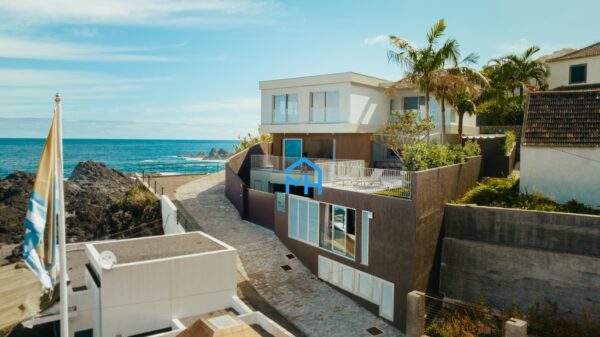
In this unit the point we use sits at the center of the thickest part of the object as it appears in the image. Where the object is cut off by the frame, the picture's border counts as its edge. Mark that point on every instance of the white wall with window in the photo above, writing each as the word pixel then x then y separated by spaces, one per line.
pixel 361 284
pixel 324 106
pixel 306 105
pixel 584 70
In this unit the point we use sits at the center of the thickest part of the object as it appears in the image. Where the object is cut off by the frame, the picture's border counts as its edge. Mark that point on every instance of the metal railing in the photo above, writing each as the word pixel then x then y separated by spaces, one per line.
pixel 353 176
pixel 188 167
pixel 185 223
pixel 279 163
pixel 152 183
pixel 347 174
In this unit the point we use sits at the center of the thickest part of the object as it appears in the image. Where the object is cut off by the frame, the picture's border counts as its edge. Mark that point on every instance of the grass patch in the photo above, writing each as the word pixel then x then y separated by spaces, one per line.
pixel 403 192
pixel 504 192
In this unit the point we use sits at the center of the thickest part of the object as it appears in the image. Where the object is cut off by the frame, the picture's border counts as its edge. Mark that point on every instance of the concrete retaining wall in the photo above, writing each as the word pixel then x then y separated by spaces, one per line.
pixel 261 208
pixel 508 255
pixel 169 216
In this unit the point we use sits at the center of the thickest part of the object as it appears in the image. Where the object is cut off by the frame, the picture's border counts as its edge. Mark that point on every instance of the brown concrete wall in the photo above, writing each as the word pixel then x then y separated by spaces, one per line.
pixel 260 208
pixel 405 235
pixel 495 162
pixel 391 248
pixel 236 191
pixel 237 176
pixel 347 145
pixel 432 189
pixel 508 255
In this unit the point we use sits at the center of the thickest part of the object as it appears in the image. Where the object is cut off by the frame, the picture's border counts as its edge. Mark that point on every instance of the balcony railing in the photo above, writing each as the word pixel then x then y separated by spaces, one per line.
pixel 351 175
pixel 359 178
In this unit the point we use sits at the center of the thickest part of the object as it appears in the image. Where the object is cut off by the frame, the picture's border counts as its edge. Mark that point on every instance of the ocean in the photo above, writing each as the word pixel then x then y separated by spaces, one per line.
pixel 126 155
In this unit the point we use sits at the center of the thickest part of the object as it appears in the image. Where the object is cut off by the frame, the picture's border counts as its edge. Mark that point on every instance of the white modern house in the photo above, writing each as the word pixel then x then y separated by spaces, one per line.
pixel 335 115
pixel 575 70
pixel 560 152
pixel 170 285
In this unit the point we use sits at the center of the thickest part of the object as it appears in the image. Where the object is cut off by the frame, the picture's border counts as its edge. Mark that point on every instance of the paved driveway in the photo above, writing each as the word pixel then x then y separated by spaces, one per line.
pixel 313 306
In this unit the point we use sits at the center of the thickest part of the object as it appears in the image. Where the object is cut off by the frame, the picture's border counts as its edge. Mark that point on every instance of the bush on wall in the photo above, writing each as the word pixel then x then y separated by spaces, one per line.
pixel 423 156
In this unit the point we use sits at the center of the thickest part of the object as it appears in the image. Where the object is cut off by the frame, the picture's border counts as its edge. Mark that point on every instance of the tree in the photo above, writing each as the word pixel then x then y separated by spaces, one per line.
pixel 467 88
pixel 249 140
pixel 507 75
pixel 526 73
pixel 421 63
pixel 405 128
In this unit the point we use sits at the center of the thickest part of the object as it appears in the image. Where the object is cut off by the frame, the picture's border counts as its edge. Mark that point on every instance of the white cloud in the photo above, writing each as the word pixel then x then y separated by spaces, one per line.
pixel 522 44
pixel 135 12
pixel 369 41
pixel 46 49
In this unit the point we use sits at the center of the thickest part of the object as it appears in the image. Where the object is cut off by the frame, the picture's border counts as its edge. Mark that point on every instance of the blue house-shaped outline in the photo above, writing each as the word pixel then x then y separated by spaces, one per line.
pixel 291 181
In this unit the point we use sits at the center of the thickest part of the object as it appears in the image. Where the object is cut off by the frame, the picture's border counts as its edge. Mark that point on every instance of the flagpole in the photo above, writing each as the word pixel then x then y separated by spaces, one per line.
pixel 64 306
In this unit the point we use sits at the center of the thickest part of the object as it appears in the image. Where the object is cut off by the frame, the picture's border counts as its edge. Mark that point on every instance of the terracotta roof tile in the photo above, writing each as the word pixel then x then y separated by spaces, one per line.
pixel 592 50
pixel 563 119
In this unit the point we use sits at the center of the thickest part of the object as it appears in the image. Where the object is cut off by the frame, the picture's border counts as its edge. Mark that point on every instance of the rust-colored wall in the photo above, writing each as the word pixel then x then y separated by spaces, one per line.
pixel 405 235
pixel 260 208
pixel 391 243
pixel 432 189
pixel 237 176
pixel 235 191
pixel 347 145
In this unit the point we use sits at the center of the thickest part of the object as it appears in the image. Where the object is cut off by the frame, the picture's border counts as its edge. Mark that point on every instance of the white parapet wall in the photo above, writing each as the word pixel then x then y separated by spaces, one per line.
pixel 562 174
pixel 169 216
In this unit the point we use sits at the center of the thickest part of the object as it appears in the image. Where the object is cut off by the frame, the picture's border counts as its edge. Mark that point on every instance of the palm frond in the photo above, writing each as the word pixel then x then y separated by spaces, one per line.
pixel 436 32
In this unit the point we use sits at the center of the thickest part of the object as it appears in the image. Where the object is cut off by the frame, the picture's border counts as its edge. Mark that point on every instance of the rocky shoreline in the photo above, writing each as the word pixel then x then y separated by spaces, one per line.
pixel 214 154
pixel 101 203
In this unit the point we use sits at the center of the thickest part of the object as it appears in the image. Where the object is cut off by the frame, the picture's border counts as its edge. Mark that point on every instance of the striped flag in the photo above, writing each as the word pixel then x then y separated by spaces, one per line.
pixel 40 247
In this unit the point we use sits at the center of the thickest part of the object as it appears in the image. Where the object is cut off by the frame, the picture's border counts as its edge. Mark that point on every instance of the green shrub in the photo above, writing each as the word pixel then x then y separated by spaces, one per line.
pixel 504 192
pixel 471 148
pixel 436 331
pixel 509 141
pixel 422 155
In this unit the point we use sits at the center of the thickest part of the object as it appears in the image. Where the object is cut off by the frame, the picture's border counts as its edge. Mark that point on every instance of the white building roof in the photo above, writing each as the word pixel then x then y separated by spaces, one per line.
pixel 347 77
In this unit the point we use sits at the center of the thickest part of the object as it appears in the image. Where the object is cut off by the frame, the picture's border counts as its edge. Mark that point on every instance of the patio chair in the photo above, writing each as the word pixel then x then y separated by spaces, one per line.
pixel 374 179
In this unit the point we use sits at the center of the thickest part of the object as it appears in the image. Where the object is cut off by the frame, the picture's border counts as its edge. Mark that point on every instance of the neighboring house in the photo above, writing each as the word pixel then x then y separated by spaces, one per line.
pixel 335 115
pixel 158 286
pixel 577 69
pixel 560 152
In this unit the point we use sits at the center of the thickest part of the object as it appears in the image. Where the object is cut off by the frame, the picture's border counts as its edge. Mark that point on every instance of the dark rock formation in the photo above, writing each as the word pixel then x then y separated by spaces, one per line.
pixel 214 154
pixel 101 203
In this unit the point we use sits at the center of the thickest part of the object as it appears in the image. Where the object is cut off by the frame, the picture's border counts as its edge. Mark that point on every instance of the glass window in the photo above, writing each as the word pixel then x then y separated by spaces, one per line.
pixel 386 308
pixel 285 108
pixel 578 73
pixel 332 106
pixel 293 218
pixel 279 109
pixel 313 223
pixel 292 108
pixel 364 243
pixel 317 111
pixel 303 220
pixel 337 228
pixel 324 106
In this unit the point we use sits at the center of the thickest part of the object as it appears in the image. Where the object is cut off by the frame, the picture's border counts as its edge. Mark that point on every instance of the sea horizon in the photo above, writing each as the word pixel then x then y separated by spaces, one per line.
pixel 166 156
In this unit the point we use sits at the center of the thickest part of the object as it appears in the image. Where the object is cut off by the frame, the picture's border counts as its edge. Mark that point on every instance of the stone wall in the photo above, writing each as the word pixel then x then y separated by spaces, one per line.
pixel 510 255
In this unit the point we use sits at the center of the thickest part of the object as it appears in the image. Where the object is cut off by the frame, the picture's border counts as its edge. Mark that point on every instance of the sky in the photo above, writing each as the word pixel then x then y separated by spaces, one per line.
pixel 183 69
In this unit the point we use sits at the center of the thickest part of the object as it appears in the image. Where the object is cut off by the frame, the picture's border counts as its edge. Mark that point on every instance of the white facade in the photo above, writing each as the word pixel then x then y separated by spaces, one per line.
pixel 562 174
pixel 147 292
pixel 363 105
pixel 560 71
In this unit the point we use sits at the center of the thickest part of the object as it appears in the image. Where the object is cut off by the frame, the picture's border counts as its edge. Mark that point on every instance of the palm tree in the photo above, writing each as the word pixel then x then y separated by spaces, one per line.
pixel 522 72
pixel 445 82
pixel 468 88
pixel 421 63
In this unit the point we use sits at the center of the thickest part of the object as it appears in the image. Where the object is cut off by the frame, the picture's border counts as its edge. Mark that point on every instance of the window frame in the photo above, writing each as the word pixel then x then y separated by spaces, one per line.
pixel 325 116
pixel 286 109
pixel 297 236
pixel 584 65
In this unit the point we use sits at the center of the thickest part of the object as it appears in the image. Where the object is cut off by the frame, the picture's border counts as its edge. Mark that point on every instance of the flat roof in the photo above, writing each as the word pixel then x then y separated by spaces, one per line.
pixel 76 261
pixel 346 77
pixel 159 247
